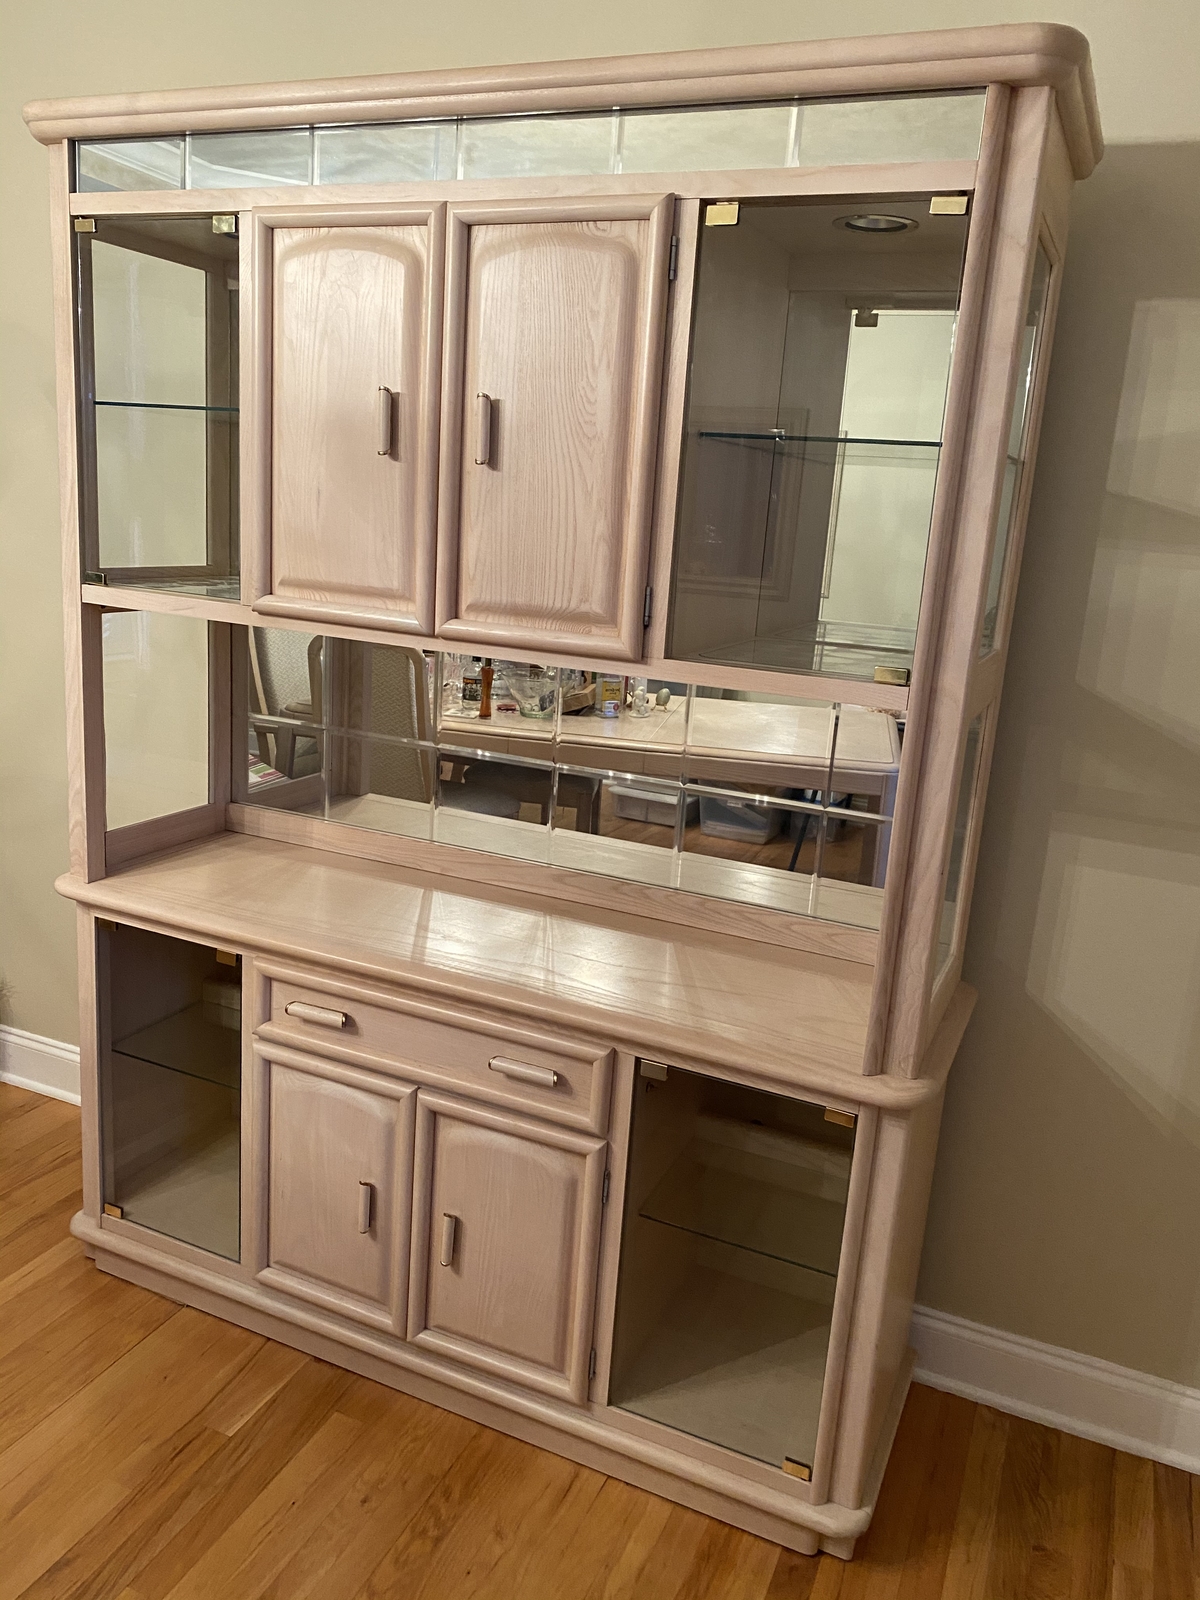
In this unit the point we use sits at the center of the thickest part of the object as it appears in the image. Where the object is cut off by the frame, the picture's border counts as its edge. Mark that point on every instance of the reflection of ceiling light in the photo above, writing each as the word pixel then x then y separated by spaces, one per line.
pixel 874 223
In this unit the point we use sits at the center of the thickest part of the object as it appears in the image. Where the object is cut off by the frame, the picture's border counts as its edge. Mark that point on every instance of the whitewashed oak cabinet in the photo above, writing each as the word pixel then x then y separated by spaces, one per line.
pixel 540 551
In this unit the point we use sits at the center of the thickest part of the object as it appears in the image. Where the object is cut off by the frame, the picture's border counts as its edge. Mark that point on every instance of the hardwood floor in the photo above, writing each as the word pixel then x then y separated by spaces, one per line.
pixel 148 1450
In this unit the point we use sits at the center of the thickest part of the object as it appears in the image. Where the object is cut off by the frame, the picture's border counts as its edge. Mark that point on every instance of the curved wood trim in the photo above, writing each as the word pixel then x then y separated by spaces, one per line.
pixel 1021 54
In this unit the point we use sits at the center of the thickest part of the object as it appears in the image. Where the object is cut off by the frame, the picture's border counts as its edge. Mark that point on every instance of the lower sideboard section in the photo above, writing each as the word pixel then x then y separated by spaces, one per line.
pixel 589 1435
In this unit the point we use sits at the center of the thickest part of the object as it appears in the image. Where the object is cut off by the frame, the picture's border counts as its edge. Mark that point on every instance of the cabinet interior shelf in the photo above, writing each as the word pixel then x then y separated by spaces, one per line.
pixel 161 405
pixel 189 1043
pixel 778 436
pixel 760 1189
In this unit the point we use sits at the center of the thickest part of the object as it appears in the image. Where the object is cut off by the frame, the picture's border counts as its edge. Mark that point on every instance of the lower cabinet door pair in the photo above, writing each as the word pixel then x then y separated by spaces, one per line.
pixel 470 1232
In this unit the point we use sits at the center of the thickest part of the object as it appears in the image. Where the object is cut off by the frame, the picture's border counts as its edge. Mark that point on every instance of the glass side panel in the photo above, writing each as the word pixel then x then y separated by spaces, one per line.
pixel 820 362
pixel 158 412
pixel 763 799
pixel 156 715
pixel 735 1206
pixel 1018 438
pixel 407 152
pixel 170 1085
pixel 125 164
pixel 815 133
pixel 964 809
pixel 249 160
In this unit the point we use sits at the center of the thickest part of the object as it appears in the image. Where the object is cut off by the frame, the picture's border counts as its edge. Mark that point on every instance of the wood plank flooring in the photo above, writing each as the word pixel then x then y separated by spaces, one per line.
pixel 147 1450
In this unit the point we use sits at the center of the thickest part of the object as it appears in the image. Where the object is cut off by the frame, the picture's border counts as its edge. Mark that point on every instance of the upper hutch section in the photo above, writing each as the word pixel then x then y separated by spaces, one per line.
pixel 667 405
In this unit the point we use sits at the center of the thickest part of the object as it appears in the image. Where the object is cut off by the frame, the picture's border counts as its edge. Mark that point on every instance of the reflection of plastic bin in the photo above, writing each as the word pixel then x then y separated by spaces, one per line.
pixel 738 819
pixel 647 805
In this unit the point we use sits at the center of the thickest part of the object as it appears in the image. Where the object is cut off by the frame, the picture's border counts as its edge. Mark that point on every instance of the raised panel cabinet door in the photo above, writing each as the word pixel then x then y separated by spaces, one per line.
pixel 554 340
pixel 355 349
pixel 340 1170
pixel 506 1224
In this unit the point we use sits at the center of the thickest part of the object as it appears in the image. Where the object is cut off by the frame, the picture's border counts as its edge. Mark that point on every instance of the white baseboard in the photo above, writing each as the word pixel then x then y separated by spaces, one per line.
pixel 47 1066
pixel 1079 1394
pixel 1061 1388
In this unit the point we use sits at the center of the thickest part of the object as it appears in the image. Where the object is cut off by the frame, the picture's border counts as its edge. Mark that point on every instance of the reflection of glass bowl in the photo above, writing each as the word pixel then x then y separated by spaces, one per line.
pixel 533 689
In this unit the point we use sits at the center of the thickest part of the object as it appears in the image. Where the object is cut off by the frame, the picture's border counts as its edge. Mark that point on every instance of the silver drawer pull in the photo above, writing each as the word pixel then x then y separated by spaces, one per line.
pixel 366 1204
pixel 323 1016
pixel 449 1230
pixel 483 435
pixel 383 421
pixel 521 1070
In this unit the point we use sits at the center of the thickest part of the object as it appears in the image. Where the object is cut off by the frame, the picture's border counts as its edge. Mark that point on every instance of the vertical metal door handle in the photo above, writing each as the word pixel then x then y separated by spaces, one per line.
pixel 483 446
pixel 366 1204
pixel 386 399
pixel 449 1230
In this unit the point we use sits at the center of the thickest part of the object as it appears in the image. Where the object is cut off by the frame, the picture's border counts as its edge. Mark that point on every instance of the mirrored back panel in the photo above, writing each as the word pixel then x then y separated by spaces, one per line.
pixel 764 799
pixel 158 404
pixel 821 348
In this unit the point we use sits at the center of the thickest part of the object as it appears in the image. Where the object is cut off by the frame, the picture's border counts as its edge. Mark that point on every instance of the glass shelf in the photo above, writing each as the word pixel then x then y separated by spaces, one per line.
pixel 759 1189
pixel 189 1043
pixel 204 587
pixel 163 405
pixel 841 650
pixel 779 436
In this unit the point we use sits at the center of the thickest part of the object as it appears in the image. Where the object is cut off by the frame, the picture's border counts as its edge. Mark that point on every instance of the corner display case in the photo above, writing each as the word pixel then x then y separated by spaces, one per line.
pixel 540 554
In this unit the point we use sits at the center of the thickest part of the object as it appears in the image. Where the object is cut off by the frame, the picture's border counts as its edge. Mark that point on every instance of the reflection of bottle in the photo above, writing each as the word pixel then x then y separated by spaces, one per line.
pixel 472 688
pixel 610 692
pixel 485 688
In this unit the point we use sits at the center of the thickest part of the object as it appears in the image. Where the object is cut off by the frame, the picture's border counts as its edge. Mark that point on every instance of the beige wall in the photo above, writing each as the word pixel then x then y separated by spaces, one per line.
pixel 1070 1168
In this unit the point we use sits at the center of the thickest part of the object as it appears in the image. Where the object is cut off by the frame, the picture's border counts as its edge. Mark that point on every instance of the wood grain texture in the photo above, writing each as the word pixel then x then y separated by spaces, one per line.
pixel 555 312
pixel 355 309
pixel 696 995
pixel 945 691
pixel 439 1044
pixel 330 1131
pixel 1024 53
pixel 86 800
pixel 506 1223
pixel 285 1476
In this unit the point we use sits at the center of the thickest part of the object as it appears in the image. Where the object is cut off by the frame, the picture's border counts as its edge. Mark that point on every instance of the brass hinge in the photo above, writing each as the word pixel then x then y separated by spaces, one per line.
pixel 721 214
pixel 896 675
pixel 653 1069
pixel 604 1191
pixel 114 1211
pixel 674 261
pixel 95 577
pixel 797 1469
pixel 948 205
pixel 647 605
pixel 844 1119
pixel 85 224
pixel 592 1364
pixel 226 223
pixel 227 958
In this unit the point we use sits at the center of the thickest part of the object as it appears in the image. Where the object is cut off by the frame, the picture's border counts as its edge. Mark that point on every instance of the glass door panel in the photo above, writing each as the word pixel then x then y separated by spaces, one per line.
pixel 821 352
pixel 158 319
pixel 170 1033
pixel 734 1211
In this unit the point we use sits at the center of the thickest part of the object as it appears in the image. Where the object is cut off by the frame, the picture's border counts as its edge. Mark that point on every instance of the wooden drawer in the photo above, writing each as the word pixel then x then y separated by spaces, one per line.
pixel 426 1041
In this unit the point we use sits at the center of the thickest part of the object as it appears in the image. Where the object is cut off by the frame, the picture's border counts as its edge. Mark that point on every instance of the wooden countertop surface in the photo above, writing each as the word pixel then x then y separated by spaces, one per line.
pixel 799 1019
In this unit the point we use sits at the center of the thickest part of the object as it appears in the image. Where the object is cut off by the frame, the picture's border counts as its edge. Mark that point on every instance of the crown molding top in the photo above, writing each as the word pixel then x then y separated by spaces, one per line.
pixel 1021 54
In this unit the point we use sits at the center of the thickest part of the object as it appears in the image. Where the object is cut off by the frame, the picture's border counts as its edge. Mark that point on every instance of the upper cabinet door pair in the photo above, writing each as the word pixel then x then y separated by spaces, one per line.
pixel 459 417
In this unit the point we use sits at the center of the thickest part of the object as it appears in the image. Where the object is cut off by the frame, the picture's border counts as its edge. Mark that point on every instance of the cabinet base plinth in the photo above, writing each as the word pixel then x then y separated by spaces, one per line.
pixel 577 1434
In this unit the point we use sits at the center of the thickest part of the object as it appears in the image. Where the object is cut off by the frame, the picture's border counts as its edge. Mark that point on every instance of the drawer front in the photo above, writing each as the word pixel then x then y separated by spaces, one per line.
pixel 520 1067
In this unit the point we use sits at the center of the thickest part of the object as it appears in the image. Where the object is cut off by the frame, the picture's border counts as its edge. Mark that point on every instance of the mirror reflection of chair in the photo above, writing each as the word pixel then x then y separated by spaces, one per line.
pixel 285 681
